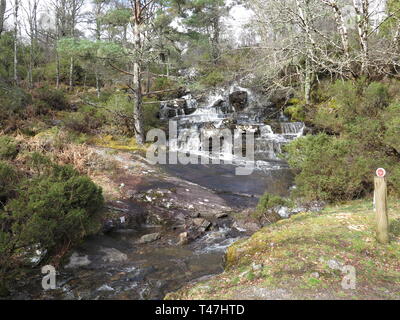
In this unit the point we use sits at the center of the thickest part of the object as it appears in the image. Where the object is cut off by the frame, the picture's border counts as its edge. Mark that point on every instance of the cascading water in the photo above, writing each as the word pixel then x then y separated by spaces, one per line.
pixel 231 108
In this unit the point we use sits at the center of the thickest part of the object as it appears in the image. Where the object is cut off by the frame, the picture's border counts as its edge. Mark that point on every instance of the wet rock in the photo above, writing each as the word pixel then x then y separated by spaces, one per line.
pixel 238 100
pixel 194 214
pixel 76 261
pixel 284 212
pixel 131 194
pixel 150 238
pixel 108 226
pixel 183 238
pixel 113 255
pixel 202 223
pixel 105 287
pixel 245 226
pixel 218 103
pixel 221 215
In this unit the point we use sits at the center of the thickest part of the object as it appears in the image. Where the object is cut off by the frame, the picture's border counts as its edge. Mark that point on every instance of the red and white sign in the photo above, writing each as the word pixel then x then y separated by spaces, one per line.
pixel 381 172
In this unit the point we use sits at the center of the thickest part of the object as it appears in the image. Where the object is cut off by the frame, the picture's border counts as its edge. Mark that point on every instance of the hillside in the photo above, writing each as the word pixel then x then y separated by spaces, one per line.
pixel 300 258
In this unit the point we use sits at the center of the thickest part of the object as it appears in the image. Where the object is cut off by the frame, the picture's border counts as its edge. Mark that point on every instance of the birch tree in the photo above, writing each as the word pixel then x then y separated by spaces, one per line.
pixel 16 17
pixel 74 9
pixel 361 8
pixel 3 6
pixel 31 12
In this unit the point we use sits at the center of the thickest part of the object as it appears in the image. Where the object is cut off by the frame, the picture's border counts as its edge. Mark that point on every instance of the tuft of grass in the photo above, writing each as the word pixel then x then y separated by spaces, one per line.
pixel 118 143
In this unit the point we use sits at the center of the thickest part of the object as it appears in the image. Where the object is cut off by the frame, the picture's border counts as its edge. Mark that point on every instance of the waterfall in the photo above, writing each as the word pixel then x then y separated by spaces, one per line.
pixel 200 124
pixel 292 128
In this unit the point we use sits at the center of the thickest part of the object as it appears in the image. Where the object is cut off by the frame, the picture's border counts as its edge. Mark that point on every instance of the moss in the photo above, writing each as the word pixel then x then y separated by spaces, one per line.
pixel 118 143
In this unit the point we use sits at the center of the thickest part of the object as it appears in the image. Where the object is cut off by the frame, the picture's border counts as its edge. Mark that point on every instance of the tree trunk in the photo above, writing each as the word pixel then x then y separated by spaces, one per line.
pixel 3 5
pixel 308 82
pixel 341 26
pixel 137 86
pixel 362 16
pixel 71 73
pixel 57 70
pixel 215 36
pixel 310 48
pixel 30 77
pixel 98 38
pixel 16 5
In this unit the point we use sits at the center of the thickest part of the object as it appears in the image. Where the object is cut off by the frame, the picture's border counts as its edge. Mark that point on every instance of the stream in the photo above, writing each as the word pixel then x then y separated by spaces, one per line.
pixel 170 199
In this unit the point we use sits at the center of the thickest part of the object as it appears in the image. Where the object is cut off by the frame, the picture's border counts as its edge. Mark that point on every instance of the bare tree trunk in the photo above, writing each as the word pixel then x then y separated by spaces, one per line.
pixel 308 79
pixel 341 26
pixel 396 39
pixel 362 16
pixel 16 7
pixel 137 85
pixel 98 38
pixel 215 38
pixel 71 73
pixel 3 5
pixel 57 70
pixel 30 71
pixel 308 82
pixel 32 19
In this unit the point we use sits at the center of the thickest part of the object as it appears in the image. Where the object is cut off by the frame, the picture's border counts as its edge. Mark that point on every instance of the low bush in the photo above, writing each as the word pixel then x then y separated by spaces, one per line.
pixel 265 212
pixel 359 124
pixel 53 98
pixel 50 212
pixel 213 79
pixel 8 180
pixel 269 201
pixel 8 148
pixel 86 120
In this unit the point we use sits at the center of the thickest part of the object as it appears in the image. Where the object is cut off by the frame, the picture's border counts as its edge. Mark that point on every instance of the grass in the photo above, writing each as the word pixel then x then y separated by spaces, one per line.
pixel 118 143
pixel 296 256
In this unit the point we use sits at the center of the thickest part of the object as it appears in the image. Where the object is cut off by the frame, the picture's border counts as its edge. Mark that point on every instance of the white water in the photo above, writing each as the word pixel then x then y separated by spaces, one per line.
pixel 216 114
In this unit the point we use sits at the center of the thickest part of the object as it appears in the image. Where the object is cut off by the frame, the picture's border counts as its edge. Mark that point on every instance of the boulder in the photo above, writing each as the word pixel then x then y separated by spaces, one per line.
pixel 238 100
pixel 76 261
pixel 113 255
pixel 147 238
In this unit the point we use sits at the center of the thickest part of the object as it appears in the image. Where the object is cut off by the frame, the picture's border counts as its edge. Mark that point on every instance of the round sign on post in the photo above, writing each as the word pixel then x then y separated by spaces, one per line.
pixel 381 173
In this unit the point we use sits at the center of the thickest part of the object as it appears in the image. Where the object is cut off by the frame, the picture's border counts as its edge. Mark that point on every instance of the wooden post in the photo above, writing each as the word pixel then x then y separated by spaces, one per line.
pixel 382 219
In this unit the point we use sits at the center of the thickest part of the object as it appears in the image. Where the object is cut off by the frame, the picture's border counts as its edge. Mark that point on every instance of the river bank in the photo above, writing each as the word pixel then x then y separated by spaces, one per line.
pixel 328 255
pixel 163 227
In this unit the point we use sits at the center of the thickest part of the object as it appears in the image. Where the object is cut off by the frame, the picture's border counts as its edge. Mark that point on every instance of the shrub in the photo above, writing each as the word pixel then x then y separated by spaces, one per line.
pixel 376 98
pixel 296 110
pixel 265 212
pixel 13 100
pixel 53 98
pixel 330 168
pixel 52 212
pixel 213 79
pixel 269 201
pixel 392 124
pixel 8 148
pixel 8 179
pixel 84 121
